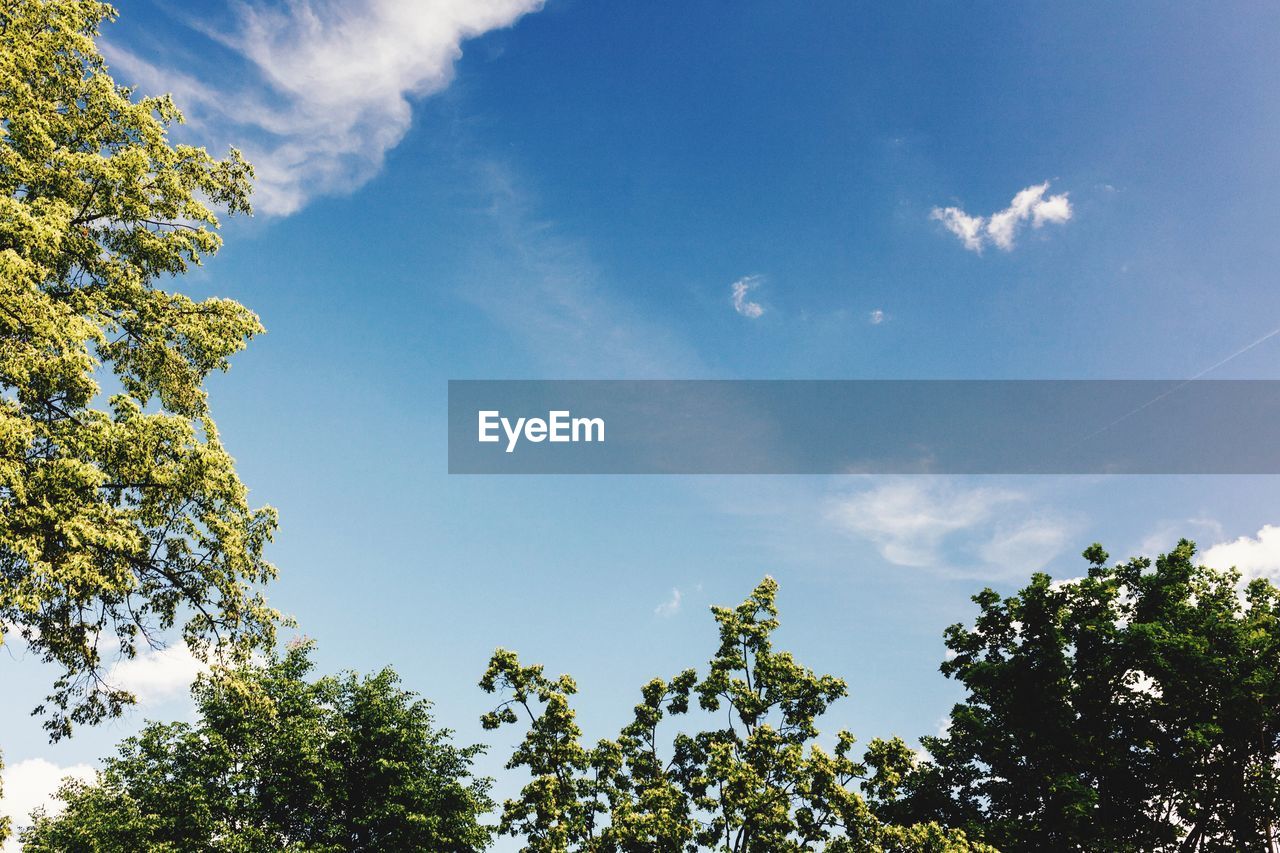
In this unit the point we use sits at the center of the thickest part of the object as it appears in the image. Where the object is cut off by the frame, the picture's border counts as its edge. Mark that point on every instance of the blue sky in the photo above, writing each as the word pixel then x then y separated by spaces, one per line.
pixel 576 194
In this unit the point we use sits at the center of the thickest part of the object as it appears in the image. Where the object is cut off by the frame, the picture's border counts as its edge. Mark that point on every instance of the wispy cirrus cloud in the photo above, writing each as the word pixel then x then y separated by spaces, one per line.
pixel 908 519
pixel 936 523
pixel 543 286
pixel 1030 205
pixel 326 88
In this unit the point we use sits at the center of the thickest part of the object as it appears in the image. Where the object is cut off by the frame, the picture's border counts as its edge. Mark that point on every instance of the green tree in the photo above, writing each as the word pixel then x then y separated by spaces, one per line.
pixel 761 783
pixel 278 762
pixel 118 519
pixel 4 819
pixel 1135 709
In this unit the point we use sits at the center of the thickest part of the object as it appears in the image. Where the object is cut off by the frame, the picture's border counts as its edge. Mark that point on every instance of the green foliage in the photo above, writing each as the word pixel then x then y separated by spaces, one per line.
pixel 1136 709
pixel 4 819
pixel 760 784
pixel 278 762
pixel 117 521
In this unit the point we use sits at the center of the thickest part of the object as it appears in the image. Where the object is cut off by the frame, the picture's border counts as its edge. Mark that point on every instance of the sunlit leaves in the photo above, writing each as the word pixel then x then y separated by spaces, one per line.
pixel 278 761
pixel 754 779
pixel 119 518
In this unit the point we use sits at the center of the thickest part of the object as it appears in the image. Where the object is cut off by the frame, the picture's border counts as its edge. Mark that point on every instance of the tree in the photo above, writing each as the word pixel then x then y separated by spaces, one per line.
pixel 760 784
pixel 1135 709
pixel 4 819
pixel 117 521
pixel 277 762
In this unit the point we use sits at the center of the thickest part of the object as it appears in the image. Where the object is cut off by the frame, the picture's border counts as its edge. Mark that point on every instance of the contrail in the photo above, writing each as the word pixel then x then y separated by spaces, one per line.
pixel 1268 336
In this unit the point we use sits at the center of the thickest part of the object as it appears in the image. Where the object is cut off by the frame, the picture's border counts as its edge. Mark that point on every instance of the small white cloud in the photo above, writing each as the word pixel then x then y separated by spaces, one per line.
pixel 876 317
pixel 30 784
pixel 154 676
pixel 741 304
pixel 967 228
pixel 671 606
pixel 1255 557
pixel 1063 583
pixel 1001 228
pixel 1055 209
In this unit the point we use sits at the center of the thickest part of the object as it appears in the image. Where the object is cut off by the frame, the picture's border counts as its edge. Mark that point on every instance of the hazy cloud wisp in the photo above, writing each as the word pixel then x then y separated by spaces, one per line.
pixel 672 605
pixel 985 531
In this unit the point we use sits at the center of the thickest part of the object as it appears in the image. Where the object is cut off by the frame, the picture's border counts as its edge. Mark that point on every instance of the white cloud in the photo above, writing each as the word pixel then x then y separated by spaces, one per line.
pixel 967 228
pixel 1166 534
pixel 1255 557
pixel 671 606
pixel 1055 210
pixel 1000 228
pixel 741 304
pixel 331 85
pixel 876 317
pixel 935 523
pixel 908 519
pixel 1026 547
pixel 30 784
pixel 154 676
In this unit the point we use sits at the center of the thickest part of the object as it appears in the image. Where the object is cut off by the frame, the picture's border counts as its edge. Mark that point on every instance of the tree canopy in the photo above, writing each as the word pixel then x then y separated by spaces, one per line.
pixel 760 783
pixel 280 762
pixel 121 514
pixel 1134 709
pixel 4 819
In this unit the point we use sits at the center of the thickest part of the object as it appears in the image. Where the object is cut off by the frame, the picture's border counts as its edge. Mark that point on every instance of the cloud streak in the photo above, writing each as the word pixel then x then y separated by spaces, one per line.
pixel 908 520
pixel 544 288
pixel 1000 229
pixel 328 87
